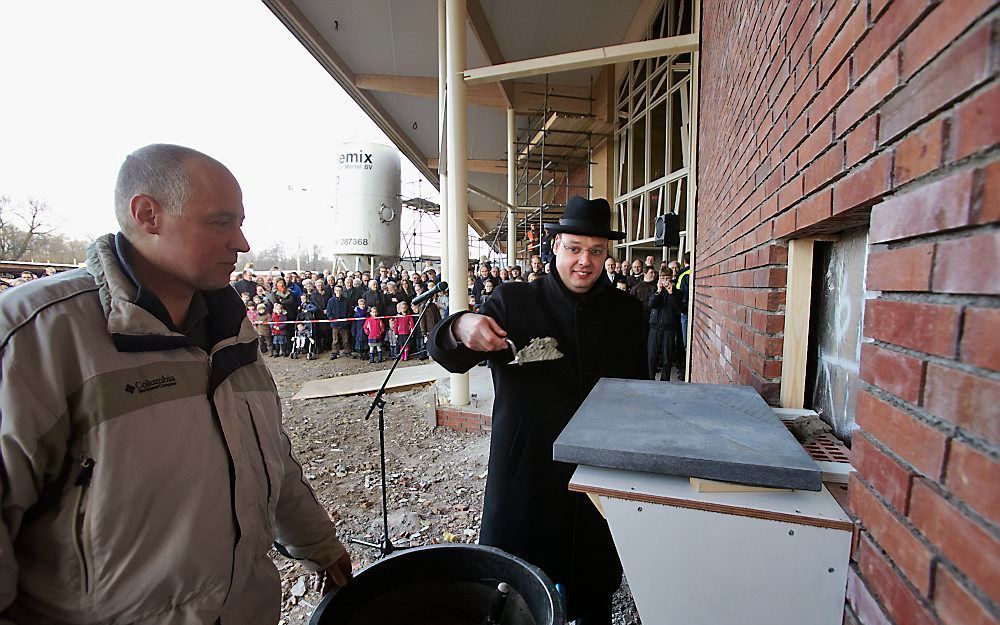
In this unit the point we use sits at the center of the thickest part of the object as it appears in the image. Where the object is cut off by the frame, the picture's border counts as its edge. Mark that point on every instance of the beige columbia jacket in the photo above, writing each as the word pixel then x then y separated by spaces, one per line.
pixel 142 480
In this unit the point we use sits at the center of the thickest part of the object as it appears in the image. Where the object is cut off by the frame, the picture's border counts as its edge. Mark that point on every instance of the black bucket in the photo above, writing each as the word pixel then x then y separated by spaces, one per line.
pixel 442 585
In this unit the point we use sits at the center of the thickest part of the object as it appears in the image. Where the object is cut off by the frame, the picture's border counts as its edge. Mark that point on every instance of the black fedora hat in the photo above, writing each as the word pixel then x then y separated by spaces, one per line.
pixel 591 218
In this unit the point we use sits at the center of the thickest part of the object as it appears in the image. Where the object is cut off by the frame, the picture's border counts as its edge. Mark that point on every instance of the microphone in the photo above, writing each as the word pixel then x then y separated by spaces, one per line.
pixel 440 287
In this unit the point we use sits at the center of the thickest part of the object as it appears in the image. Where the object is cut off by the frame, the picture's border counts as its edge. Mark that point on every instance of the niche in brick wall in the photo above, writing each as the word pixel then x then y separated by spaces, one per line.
pixel 837 309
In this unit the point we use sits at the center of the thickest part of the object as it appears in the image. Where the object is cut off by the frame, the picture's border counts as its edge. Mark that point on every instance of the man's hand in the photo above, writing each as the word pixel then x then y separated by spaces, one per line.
pixel 336 576
pixel 479 333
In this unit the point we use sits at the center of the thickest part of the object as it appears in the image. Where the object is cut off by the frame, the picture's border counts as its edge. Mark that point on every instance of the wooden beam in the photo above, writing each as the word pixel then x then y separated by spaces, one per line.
pixel 427 87
pixel 484 33
pixel 594 57
pixel 798 293
pixel 528 96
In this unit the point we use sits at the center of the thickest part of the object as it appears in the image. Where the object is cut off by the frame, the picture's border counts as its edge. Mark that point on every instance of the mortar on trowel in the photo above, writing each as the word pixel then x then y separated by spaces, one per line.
pixel 538 350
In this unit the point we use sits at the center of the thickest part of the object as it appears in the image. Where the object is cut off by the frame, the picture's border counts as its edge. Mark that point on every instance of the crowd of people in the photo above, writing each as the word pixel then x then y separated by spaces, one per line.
pixel 348 314
pixel 9 281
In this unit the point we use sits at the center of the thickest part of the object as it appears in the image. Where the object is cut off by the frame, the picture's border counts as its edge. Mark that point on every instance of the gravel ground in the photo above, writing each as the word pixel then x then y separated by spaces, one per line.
pixel 436 476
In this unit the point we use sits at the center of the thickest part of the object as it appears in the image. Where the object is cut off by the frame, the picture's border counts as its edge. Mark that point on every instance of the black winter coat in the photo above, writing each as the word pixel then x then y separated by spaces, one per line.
pixel 528 508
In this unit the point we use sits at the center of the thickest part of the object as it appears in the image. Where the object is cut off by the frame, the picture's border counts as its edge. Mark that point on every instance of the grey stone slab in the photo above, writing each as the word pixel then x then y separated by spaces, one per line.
pixel 712 431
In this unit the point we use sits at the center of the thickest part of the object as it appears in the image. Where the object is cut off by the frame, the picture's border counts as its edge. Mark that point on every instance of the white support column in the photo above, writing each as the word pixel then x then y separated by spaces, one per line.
pixel 442 133
pixel 511 181
pixel 458 194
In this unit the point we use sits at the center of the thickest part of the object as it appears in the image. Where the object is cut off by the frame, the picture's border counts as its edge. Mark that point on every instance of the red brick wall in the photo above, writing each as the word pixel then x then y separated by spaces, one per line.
pixel 821 115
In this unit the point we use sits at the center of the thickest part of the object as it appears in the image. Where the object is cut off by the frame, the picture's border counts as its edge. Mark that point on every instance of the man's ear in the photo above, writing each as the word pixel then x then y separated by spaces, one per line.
pixel 146 214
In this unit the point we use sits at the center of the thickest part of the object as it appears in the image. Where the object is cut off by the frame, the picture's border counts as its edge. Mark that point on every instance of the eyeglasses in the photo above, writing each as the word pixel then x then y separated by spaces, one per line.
pixel 576 250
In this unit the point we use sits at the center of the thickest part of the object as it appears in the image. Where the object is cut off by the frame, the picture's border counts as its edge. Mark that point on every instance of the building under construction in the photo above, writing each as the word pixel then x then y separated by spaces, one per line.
pixel 832 168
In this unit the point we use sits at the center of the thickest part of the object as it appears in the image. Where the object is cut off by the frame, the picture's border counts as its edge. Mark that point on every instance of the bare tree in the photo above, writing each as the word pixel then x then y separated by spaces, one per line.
pixel 20 226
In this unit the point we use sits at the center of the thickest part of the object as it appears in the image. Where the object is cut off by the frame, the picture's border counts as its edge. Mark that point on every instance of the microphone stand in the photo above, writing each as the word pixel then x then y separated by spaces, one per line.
pixel 386 547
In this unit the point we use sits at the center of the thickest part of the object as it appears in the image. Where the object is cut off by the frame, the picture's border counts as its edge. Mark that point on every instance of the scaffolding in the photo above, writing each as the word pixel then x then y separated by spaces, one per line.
pixel 552 147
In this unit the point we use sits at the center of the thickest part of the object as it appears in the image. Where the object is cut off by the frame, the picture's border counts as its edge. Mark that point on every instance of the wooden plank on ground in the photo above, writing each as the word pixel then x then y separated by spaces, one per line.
pixel 404 377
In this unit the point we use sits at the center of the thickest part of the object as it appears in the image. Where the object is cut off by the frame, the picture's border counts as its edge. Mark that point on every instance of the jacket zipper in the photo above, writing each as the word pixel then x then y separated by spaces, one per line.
pixel 83 483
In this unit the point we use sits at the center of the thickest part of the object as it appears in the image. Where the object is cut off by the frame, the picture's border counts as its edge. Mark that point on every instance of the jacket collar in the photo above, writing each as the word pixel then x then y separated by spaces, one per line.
pixel 138 320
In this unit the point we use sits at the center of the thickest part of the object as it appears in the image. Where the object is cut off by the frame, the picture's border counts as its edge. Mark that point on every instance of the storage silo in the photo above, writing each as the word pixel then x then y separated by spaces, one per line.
pixel 367 206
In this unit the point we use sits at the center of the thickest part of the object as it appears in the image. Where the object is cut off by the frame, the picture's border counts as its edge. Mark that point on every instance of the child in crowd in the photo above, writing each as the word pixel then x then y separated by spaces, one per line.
pixel 402 326
pixel 487 292
pixel 263 328
pixel 360 340
pixel 375 331
pixel 307 313
pixel 390 333
pixel 279 331
pixel 302 342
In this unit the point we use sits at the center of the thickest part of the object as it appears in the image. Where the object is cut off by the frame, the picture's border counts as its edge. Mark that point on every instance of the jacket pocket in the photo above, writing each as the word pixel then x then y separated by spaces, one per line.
pixel 80 543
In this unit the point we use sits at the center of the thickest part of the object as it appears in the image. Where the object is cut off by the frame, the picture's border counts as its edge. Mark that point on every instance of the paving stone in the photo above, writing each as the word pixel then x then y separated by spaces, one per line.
pixel 718 432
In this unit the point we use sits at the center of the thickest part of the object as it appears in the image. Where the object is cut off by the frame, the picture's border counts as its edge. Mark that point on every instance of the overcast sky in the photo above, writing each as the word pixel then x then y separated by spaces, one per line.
pixel 85 83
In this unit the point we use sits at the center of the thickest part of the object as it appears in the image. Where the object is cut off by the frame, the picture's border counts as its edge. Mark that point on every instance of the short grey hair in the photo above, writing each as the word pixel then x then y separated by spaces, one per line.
pixel 158 171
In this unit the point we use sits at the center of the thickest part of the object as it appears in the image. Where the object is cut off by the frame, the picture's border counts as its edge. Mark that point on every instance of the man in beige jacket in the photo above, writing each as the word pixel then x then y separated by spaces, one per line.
pixel 145 471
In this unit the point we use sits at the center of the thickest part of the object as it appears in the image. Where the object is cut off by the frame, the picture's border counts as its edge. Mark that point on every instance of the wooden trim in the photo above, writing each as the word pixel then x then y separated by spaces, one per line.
pixel 767 515
pixel 427 87
pixel 691 228
pixel 595 57
pixel 798 293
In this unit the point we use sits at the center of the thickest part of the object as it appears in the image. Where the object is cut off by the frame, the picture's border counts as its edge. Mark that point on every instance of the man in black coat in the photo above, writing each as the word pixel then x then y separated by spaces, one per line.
pixel 528 509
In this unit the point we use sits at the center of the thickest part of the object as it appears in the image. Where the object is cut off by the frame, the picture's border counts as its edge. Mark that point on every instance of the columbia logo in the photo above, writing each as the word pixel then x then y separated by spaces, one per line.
pixel 151 384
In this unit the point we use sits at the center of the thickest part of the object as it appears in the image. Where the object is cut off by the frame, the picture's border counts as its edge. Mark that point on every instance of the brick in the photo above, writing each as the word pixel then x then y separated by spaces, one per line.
pixel 962 67
pixel 829 95
pixel 830 26
pixel 843 42
pixel 936 207
pixel 815 209
pixel 885 475
pixel 790 193
pixel 868 93
pixel 928 328
pixel 824 168
pixel 784 224
pixel 901 545
pixel 877 6
pixel 863 186
pixel 893 372
pixel 959 265
pixel 954 604
pixel 960 539
pixel 916 442
pixel 980 332
pixel 986 208
pixel 901 269
pixel 977 124
pixel 902 605
pixel 967 400
pixel 919 153
pixel 862 141
pixel 816 141
pixel 938 30
pixel 802 97
pixel 886 32
pixel 972 477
